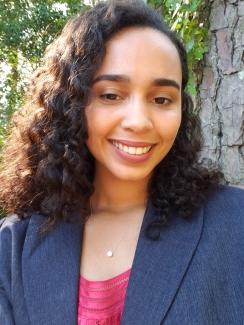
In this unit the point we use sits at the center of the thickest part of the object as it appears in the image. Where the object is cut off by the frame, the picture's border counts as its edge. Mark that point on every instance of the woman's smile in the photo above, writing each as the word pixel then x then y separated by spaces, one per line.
pixel 132 148
pixel 133 154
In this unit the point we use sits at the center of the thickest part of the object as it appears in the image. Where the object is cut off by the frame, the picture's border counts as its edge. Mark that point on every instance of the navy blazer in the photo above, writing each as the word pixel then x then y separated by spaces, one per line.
pixel 193 275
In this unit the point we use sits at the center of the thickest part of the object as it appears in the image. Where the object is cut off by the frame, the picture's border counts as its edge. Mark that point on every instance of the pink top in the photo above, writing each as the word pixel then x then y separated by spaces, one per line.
pixel 102 302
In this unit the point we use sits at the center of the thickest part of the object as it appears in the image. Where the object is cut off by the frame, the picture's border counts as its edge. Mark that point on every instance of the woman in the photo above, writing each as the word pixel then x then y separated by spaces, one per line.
pixel 101 169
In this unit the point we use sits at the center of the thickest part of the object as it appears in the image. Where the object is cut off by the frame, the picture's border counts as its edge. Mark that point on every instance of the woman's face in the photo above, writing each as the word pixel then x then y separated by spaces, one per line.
pixel 135 114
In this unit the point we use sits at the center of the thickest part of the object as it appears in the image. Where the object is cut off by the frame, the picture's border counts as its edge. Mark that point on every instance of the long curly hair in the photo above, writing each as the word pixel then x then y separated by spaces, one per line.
pixel 46 165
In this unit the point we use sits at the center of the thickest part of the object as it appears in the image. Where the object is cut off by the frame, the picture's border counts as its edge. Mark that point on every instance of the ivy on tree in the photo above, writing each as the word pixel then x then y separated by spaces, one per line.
pixel 183 17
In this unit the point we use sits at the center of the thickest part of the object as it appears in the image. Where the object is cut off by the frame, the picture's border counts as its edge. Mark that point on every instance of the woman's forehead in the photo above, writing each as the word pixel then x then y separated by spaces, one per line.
pixel 142 51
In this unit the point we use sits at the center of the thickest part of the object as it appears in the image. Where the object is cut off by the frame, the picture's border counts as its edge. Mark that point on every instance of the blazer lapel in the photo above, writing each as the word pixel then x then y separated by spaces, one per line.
pixel 159 267
pixel 51 265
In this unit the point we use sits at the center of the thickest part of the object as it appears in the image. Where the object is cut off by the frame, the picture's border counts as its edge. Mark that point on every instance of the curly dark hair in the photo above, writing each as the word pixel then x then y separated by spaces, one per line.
pixel 47 167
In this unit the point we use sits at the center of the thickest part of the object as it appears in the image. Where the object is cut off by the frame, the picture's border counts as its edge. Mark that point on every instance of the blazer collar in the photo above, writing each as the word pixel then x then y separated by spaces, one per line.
pixel 51 267
pixel 159 267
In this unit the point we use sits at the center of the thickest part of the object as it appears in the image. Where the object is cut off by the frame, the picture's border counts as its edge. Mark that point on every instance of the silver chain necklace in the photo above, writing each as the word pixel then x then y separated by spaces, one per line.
pixel 109 252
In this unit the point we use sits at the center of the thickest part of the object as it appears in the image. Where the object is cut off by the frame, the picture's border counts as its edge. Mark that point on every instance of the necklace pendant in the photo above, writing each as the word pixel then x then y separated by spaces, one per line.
pixel 109 253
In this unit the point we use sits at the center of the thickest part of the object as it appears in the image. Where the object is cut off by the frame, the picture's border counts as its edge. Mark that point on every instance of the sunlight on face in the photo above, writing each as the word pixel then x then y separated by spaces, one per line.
pixel 135 114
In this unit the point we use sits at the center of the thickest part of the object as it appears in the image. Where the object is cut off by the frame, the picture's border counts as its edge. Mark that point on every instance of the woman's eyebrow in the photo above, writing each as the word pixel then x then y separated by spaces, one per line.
pixel 126 79
pixel 166 82
pixel 112 77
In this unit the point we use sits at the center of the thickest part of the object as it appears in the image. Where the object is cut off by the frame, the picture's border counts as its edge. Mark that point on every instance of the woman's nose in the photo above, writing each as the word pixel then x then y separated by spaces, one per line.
pixel 137 117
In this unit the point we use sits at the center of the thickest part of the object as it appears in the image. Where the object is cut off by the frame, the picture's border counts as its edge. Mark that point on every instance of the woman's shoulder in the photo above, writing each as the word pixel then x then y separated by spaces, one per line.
pixel 224 213
pixel 15 234
pixel 13 230
pixel 13 225
pixel 229 198
pixel 233 190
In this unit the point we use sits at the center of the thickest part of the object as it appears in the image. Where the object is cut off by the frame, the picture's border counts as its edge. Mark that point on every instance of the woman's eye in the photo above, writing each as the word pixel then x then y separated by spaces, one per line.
pixel 161 100
pixel 110 97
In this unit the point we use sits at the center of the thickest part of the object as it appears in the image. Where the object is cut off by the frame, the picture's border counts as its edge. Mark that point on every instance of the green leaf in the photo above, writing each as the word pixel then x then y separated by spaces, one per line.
pixel 184 7
pixel 192 8
pixel 199 52
pixel 198 32
pixel 192 90
pixel 173 3
pixel 189 45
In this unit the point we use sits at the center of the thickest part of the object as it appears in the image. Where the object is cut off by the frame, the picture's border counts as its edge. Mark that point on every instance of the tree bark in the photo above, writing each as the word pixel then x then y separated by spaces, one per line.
pixel 221 90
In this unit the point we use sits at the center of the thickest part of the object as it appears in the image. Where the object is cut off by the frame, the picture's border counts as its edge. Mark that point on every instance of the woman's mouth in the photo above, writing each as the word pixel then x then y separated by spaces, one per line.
pixel 131 150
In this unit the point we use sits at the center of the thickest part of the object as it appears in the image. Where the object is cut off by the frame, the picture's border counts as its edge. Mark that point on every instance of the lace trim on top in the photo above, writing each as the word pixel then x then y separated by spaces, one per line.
pixel 102 302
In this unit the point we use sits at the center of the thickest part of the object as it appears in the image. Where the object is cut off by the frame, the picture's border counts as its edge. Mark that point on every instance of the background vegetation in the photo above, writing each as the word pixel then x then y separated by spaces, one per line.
pixel 26 28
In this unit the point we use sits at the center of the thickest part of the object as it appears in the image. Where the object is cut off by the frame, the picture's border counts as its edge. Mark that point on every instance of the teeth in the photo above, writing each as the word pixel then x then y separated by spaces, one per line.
pixel 132 150
pixel 139 151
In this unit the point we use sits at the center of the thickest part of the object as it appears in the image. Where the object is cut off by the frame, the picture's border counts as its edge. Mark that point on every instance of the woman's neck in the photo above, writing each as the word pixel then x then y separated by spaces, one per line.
pixel 116 194
pixel 117 210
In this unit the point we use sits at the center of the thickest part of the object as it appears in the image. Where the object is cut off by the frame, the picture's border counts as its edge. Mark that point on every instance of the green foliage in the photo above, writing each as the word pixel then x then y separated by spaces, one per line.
pixel 182 16
pixel 26 28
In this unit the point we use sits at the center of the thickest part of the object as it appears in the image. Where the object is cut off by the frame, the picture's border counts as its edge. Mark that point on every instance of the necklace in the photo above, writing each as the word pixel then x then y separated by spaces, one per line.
pixel 110 253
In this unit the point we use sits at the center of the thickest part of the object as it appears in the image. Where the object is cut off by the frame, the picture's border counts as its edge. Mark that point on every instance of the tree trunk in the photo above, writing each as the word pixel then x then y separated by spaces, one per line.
pixel 221 102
